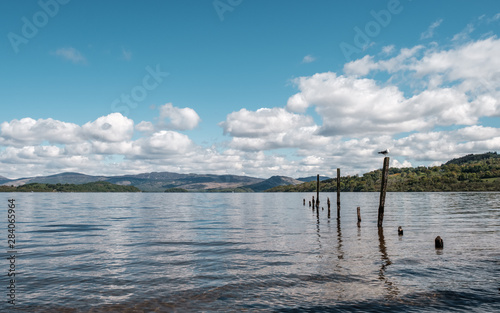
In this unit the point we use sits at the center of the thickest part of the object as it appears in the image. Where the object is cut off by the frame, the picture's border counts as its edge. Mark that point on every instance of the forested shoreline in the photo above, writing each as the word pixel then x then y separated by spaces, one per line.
pixel 88 187
pixel 480 172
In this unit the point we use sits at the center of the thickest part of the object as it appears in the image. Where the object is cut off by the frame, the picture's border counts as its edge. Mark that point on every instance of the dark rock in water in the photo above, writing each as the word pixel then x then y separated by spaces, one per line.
pixel 400 231
pixel 438 242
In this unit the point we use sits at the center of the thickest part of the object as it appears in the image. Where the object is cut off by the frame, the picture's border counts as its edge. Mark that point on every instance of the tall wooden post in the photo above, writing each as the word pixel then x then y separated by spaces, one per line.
pixel 317 191
pixel 383 189
pixel 338 192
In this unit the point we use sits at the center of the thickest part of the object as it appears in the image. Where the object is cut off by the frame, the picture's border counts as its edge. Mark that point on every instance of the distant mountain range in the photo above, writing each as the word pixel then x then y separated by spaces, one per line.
pixel 473 172
pixel 161 181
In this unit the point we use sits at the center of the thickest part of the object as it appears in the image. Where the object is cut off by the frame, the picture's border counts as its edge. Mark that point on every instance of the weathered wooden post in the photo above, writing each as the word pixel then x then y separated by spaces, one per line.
pixel 383 190
pixel 317 191
pixel 338 192
pixel 359 214
pixel 304 202
pixel 328 203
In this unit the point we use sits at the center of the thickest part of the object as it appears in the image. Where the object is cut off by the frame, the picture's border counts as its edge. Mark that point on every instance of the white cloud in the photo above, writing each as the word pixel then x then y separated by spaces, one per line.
pixel 164 143
pixel 263 122
pixel 267 129
pixel 145 127
pixel 308 59
pixel 429 33
pixel 178 118
pixel 363 66
pixel 472 61
pixel 28 131
pixel 71 54
pixel 388 49
pixel 110 128
pixel 356 106
pixel 397 164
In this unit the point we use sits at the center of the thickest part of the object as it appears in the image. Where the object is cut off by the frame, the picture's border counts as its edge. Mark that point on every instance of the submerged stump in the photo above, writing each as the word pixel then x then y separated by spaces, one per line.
pixel 438 242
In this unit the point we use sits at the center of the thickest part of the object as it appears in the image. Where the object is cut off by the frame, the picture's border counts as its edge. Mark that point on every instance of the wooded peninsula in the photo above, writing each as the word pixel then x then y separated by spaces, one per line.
pixel 474 172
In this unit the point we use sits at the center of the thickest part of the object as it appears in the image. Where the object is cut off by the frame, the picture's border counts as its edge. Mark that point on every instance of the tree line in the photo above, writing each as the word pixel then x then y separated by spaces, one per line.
pixel 88 187
pixel 469 173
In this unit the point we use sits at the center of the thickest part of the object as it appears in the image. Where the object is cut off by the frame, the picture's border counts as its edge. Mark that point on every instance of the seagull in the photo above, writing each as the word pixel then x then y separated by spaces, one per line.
pixel 385 152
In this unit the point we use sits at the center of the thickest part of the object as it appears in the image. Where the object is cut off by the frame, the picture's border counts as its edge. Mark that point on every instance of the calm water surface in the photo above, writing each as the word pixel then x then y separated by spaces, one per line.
pixel 259 252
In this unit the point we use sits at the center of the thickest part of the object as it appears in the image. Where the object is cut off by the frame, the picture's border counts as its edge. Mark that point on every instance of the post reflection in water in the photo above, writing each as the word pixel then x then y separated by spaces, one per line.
pixel 317 228
pixel 392 289
pixel 340 251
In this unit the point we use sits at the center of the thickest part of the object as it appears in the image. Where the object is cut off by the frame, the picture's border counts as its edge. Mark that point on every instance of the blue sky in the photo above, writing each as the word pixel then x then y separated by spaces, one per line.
pixel 256 88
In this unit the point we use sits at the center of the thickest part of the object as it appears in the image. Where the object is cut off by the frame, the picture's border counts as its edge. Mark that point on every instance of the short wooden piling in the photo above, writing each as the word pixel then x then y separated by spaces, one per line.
pixel 438 242
pixel 338 192
pixel 359 214
pixel 304 202
pixel 383 189
pixel 317 187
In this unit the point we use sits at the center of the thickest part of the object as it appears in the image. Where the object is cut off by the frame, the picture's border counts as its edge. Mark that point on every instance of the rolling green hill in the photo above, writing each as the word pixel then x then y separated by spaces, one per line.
pixel 479 172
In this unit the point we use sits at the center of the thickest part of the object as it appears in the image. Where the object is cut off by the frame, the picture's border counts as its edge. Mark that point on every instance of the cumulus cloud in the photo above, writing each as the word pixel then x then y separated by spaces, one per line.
pixel 264 121
pixel 110 128
pixel 164 143
pixel 175 118
pixel 28 131
pixel 267 129
pixel 145 127
pixel 356 106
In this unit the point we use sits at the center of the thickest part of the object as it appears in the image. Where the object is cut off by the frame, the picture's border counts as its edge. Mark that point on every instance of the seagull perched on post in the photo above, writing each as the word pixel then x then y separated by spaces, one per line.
pixel 385 152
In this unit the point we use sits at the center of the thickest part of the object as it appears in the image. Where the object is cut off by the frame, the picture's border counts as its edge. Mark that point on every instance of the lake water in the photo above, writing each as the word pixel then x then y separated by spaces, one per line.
pixel 258 252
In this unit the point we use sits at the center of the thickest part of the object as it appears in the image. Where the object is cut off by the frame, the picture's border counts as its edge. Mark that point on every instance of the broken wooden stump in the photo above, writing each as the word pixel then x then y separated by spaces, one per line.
pixel 438 242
